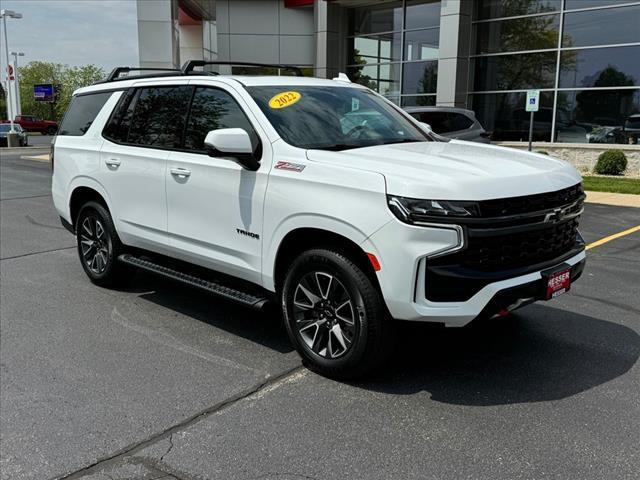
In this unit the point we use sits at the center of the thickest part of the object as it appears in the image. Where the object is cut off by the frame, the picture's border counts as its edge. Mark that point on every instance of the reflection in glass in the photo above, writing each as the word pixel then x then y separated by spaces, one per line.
pixel 212 109
pixel 421 44
pixel 598 116
pixel 530 33
pixel 384 78
pixel 602 27
pixel 375 48
pixel 502 8
pixel 600 67
pixel 386 17
pixel 504 115
pixel 419 101
pixel 420 77
pixel 422 14
pixel 159 116
pixel 515 72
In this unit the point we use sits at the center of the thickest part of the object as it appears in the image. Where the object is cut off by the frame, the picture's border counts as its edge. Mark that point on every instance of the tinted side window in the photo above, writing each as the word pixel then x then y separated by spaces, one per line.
pixel 117 128
pixel 82 112
pixel 212 109
pixel 457 121
pixel 159 115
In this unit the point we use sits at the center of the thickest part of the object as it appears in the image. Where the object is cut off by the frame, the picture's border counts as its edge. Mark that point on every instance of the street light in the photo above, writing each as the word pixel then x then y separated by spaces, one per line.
pixel 11 14
pixel 17 81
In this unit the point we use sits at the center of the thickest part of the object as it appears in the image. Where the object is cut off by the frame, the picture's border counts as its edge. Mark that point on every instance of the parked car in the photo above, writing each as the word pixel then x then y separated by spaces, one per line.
pixel 451 122
pixel 31 123
pixel 258 190
pixel 632 129
pixel 22 135
pixel 628 133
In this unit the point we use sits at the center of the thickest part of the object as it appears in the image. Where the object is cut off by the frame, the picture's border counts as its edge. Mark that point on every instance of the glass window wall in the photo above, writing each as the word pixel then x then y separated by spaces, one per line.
pixel 590 82
pixel 393 48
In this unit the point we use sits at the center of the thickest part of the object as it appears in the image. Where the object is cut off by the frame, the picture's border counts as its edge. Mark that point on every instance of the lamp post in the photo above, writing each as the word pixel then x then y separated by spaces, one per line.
pixel 17 81
pixel 12 136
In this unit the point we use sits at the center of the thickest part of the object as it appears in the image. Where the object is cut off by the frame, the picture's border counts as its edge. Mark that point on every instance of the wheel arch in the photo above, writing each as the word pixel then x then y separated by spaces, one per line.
pixel 300 239
pixel 80 196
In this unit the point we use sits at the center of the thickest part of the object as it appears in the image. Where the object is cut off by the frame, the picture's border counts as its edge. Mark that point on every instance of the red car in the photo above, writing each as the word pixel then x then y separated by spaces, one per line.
pixel 33 124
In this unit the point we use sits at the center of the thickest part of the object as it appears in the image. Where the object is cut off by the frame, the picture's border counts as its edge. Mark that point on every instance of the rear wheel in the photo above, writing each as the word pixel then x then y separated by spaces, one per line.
pixel 335 315
pixel 99 245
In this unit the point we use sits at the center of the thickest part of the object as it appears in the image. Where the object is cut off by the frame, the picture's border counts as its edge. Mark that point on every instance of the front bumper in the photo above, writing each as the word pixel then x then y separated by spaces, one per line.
pixel 403 251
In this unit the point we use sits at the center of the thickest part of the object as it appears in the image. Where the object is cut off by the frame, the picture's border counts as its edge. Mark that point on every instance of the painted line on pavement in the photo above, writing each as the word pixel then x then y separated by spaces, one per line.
pixel 604 240
pixel 38 158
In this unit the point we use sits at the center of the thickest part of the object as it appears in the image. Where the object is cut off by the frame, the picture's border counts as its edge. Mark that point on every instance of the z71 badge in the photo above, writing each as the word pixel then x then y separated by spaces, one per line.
pixel 292 167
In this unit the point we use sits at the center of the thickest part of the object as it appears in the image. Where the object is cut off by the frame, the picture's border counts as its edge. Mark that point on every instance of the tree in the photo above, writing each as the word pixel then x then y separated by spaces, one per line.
pixel 67 78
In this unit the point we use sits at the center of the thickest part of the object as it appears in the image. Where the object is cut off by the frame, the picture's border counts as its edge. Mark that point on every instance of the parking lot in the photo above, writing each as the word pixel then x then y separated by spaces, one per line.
pixel 159 381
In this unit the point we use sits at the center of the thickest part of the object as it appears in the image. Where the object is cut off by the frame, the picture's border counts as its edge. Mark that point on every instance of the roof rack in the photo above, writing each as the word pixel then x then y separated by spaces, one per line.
pixel 188 67
pixel 114 76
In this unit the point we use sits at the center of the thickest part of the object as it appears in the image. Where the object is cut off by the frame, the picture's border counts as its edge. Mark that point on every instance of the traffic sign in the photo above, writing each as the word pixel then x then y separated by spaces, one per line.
pixel 533 100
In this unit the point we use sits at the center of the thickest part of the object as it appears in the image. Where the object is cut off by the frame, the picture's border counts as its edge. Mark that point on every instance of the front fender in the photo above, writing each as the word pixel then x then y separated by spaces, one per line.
pixel 329 223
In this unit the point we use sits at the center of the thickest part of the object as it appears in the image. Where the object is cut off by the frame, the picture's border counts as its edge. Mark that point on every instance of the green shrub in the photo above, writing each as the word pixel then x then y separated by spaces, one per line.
pixel 611 162
pixel 542 152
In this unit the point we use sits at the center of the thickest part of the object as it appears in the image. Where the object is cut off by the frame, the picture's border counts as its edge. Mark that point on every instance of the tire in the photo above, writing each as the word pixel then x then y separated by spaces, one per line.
pixel 99 246
pixel 51 130
pixel 322 290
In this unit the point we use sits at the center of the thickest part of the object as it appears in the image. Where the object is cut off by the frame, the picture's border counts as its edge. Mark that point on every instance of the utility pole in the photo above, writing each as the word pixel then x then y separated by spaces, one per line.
pixel 12 136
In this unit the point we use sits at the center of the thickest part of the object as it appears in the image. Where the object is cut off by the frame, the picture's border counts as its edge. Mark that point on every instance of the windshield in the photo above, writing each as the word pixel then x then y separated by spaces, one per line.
pixel 333 118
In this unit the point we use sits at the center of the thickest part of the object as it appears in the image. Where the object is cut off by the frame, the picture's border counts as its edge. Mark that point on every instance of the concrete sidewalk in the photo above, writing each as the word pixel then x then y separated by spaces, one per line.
pixel 618 199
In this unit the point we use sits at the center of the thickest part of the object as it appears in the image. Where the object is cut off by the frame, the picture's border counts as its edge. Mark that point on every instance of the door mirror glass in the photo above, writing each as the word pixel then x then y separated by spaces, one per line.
pixel 426 127
pixel 234 143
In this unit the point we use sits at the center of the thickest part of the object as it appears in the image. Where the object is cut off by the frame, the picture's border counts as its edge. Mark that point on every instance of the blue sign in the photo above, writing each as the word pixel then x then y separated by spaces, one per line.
pixel 45 92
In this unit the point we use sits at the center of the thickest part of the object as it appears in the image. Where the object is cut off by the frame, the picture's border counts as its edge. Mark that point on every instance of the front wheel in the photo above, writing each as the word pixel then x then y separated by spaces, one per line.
pixel 99 245
pixel 334 315
pixel 51 130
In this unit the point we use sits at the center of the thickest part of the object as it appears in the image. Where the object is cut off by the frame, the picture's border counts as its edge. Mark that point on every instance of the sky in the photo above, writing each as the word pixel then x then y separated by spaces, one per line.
pixel 73 32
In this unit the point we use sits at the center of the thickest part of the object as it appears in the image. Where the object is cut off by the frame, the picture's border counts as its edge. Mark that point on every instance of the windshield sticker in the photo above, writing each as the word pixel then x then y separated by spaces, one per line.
pixel 284 99
pixel 355 104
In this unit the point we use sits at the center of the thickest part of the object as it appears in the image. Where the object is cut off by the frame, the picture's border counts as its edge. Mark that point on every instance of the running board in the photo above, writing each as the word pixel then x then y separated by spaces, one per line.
pixel 255 301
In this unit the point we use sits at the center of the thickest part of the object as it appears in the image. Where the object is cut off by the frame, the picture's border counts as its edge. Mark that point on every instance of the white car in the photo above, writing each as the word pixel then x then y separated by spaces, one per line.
pixel 256 188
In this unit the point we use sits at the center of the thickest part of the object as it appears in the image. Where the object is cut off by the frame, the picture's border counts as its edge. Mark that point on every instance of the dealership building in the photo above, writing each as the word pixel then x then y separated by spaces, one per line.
pixel 583 55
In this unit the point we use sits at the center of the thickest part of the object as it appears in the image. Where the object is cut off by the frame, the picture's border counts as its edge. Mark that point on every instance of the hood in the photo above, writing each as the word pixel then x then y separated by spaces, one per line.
pixel 456 170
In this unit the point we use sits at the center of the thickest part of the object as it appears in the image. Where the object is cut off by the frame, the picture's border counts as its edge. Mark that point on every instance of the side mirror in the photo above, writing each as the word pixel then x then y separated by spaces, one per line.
pixel 234 143
pixel 426 127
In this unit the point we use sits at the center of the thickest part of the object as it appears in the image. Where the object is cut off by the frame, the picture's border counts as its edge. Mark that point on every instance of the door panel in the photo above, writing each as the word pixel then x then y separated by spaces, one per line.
pixel 146 124
pixel 207 207
pixel 135 180
pixel 214 205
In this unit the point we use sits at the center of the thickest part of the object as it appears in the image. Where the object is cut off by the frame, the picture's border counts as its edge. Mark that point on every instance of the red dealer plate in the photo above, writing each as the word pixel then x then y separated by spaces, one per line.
pixel 558 283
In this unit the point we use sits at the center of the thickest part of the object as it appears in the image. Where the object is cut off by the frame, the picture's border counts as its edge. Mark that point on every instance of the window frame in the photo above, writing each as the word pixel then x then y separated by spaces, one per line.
pixel 131 94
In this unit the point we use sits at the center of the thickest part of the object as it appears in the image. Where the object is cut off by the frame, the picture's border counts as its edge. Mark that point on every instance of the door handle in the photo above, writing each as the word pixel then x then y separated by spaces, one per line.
pixel 112 162
pixel 180 172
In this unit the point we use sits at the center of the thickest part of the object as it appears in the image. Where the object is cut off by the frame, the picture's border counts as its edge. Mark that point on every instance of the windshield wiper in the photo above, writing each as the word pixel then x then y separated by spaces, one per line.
pixel 337 147
pixel 404 140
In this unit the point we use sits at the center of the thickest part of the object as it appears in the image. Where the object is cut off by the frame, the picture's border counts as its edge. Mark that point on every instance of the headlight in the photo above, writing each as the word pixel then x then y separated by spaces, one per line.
pixel 412 210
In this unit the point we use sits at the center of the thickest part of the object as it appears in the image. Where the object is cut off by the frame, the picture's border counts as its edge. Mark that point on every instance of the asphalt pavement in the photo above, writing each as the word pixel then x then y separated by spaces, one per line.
pixel 160 381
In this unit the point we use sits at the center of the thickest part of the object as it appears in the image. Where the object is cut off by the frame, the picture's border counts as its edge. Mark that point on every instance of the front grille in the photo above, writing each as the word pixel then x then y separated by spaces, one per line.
pixel 530 203
pixel 504 252
pixel 496 250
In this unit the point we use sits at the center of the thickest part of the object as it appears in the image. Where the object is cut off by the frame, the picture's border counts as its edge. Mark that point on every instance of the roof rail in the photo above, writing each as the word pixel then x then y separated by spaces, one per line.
pixel 114 76
pixel 188 67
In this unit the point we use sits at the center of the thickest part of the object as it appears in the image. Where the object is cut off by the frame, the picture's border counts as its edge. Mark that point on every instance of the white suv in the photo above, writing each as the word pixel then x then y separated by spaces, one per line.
pixel 320 194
